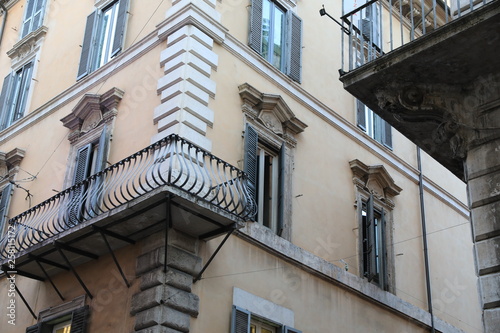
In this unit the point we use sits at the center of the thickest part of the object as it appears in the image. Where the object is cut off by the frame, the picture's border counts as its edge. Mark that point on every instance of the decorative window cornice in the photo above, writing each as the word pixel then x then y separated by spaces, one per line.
pixel 91 111
pixel 9 163
pixel 375 180
pixel 29 45
pixel 271 112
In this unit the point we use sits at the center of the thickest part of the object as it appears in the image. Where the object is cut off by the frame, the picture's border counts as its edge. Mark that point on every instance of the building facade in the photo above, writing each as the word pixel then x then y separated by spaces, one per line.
pixel 179 166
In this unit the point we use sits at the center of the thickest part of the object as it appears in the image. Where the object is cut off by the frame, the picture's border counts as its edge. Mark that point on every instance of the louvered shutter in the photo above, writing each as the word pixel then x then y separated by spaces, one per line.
pixel 23 91
pixel 102 150
pixel 4 205
pixel 287 329
pixel 255 35
pixel 88 44
pixel 38 15
pixel 34 329
pixel 250 160
pixel 361 115
pixel 82 163
pixel 121 21
pixel 387 134
pixel 281 191
pixel 383 253
pixel 370 235
pixel 294 69
pixel 28 17
pixel 82 169
pixel 4 104
pixel 240 320
pixel 79 320
pixel 100 164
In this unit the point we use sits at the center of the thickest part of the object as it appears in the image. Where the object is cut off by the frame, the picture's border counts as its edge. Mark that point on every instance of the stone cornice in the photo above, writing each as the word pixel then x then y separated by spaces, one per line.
pixel 28 44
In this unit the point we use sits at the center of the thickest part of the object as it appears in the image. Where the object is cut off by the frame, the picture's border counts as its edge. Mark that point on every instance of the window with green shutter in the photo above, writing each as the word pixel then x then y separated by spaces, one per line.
pixel 103 37
pixel 73 322
pixel 276 34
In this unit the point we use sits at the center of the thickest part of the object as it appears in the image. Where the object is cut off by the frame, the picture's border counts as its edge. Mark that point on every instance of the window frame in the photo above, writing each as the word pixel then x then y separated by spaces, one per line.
pixel 27 28
pixel 291 61
pixel 91 58
pixel 11 113
pixel 242 319
pixel 373 125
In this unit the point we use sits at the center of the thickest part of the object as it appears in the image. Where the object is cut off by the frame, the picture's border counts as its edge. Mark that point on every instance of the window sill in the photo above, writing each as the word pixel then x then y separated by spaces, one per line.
pixel 28 45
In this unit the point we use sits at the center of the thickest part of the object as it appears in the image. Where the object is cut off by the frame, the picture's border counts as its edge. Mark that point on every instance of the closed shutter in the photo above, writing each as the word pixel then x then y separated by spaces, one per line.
pixel 38 15
pixel 28 17
pixel 79 320
pixel 370 238
pixel 255 35
pixel 121 22
pixel 88 44
pixel 287 329
pixel 24 88
pixel 102 150
pixel 387 134
pixel 281 191
pixel 294 69
pixel 360 115
pixel 4 104
pixel 82 169
pixel 4 205
pixel 240 320
pixel 100 164
pixel 34 329
pixel 250 160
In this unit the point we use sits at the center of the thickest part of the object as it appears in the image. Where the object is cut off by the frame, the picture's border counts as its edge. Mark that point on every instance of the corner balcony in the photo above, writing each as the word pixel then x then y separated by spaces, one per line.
pixel 429 68
pixel 170 183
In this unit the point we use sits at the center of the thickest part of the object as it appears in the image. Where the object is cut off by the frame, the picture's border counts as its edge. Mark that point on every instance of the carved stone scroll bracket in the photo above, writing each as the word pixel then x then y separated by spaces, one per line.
pixel 10 162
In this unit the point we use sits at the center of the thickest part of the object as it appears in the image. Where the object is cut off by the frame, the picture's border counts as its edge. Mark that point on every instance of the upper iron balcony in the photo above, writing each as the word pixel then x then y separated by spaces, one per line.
pixel 427 67
pixel 172 182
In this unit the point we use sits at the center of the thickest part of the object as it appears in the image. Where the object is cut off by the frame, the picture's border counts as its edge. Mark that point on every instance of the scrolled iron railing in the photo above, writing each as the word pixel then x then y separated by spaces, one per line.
pixel 171 161
pixel 380 26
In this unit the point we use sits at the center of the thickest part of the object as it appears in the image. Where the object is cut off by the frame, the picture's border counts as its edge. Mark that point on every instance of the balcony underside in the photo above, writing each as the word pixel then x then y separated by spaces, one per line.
pixel 429 88
pixel 125 225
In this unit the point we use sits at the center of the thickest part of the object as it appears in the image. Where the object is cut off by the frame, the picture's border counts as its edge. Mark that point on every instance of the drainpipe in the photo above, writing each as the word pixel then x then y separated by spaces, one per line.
pixel 424 239
pixel 4 20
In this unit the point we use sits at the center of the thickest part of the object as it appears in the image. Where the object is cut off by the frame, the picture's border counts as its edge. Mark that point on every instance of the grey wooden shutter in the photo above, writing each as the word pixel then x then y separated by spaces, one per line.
pixel 38 15
pixel 4 205
pixel 370 235
pixel 120 27
pixel 82 167
pixel 34 329
pixel 360 115
pixel 77 200
pixel 79 320
pixel 28 17
pixel 100 164
pixel 294 69
pixel 4 105
pixel 250 160
pixel 240 320
pixel 102 150
pixel 24 88
pixel 87 47
pixel 281 191
pixel 383 253
pixel 255 34
pixel 287 329
pixel 387 134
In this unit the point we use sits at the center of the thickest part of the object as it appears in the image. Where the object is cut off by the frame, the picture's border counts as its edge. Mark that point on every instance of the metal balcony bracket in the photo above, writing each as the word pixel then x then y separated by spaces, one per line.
pixel 84 253
pixel 5 268
pixel 48 262
pixel 198 214
pixel 59 247
pixel 48 278
pixel 232 228
pixel 103 233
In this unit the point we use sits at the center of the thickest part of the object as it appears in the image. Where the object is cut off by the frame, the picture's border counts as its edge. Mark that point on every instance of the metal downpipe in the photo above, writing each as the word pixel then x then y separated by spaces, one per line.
pixel 424 239
pixel 4 20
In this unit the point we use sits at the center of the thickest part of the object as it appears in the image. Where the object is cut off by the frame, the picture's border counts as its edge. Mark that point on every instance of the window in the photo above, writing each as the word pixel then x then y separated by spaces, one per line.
pixel 374 244
pixel 276 34
pixel 14 95
pixel 33 16
pixel 373 125
pixel 69 322
pixel 265 168
pixel 103 37
pixel 243 321
pixel 5 195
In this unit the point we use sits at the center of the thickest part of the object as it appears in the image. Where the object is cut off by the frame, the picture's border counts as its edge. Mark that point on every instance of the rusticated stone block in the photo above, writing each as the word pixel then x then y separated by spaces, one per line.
pixel 177 258
pixel 147 299
pixel 181 300
pixel 175 319
pixel 491 319
pixel 488 254
pixel 158 329
pixel 486 220
pixel 490 284
pixel 173 277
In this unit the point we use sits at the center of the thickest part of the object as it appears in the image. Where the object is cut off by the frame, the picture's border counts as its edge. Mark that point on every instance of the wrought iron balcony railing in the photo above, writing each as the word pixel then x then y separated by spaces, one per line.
pixel 171 161
pixel 380 26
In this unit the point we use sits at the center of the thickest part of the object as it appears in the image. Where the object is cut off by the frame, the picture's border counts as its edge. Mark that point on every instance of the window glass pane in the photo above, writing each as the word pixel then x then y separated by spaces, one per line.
pixel 266 28
pixel 253 328
pixel 107 26
pixel 278 40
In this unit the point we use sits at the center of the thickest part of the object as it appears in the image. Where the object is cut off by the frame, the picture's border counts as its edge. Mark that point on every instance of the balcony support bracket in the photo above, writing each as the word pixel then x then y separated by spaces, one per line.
pixel 10 277
pixel 232 228
pixel 48 278
pixel 103 234
pixel 87 291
